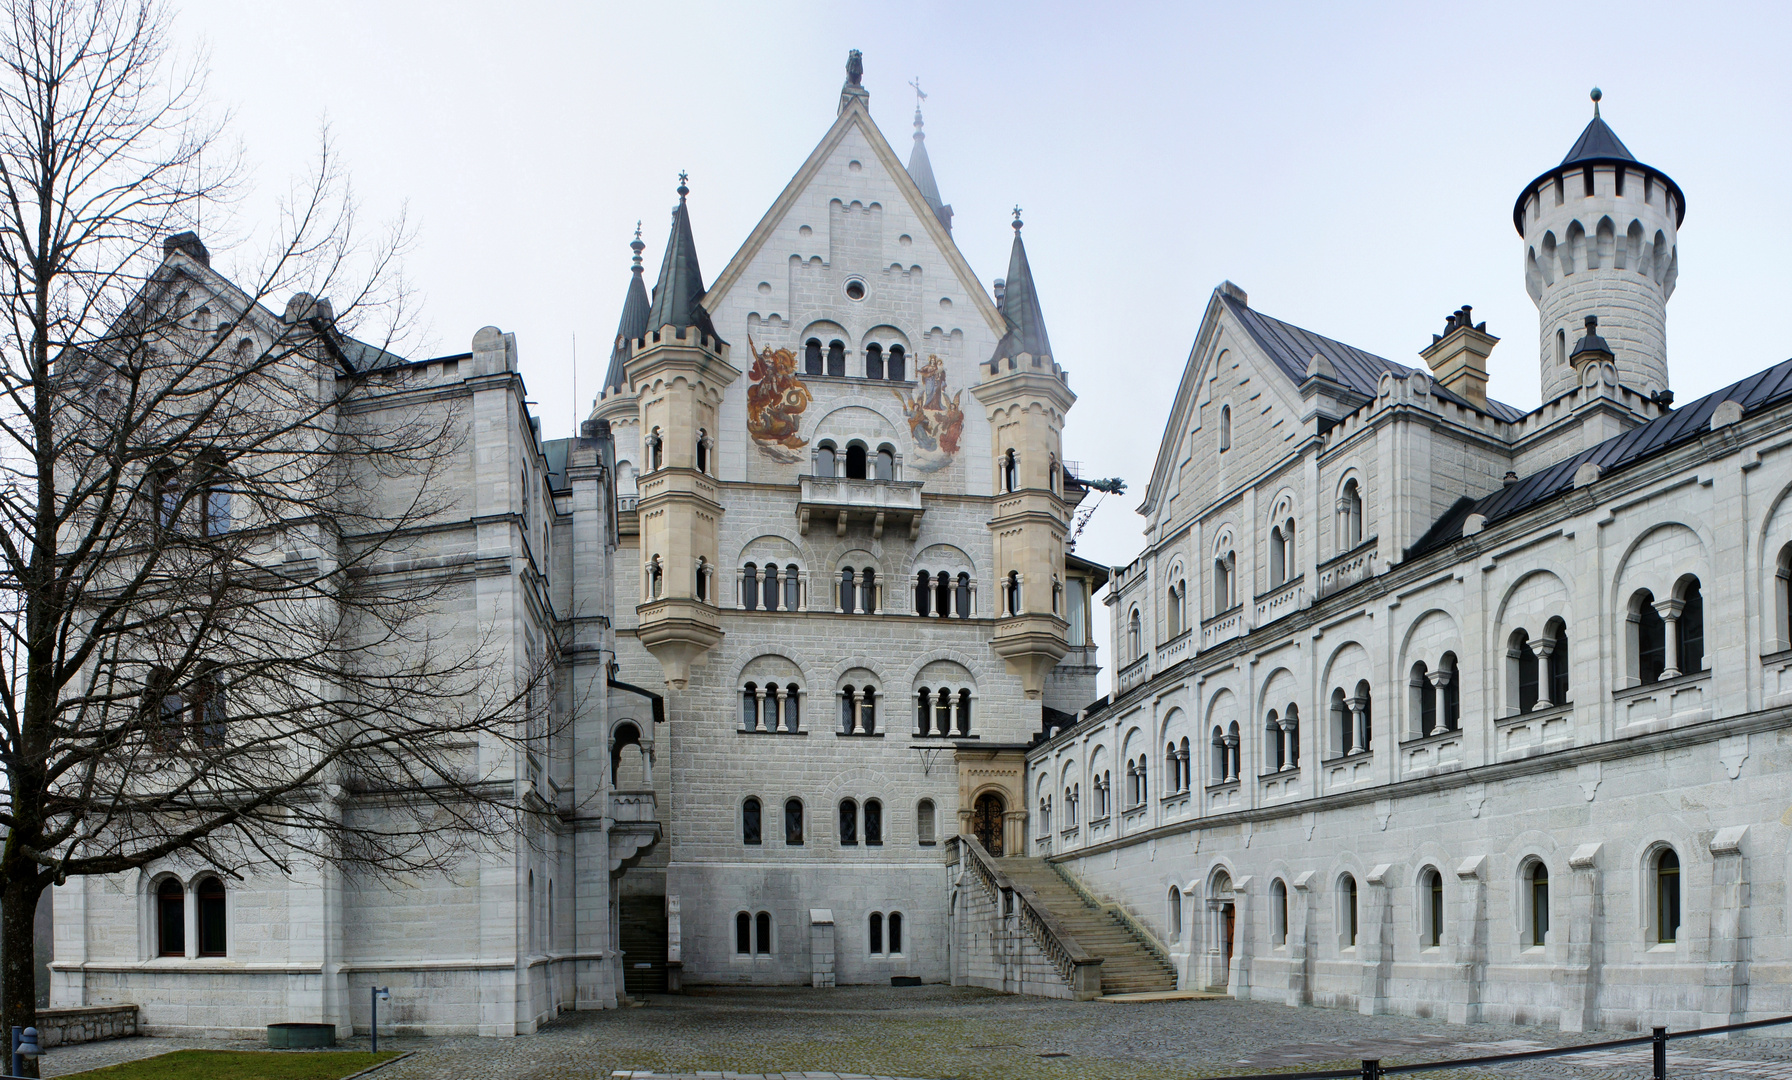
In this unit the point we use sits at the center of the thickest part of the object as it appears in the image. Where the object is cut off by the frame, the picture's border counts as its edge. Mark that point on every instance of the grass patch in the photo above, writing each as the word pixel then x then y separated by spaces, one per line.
pixel 243 1065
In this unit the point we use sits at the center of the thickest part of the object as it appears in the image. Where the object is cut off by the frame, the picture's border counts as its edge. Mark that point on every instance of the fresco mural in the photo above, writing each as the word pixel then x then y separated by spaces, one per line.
pixel 776 399
pixel 934 420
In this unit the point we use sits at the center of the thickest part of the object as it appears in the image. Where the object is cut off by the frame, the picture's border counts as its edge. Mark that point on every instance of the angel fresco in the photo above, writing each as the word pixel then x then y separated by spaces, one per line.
pixel 935 421
pixel 776 399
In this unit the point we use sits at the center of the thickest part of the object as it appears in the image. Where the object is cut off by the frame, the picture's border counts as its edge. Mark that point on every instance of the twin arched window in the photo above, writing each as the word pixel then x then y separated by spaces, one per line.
pixel 1352 720
pixel 858 710
pixel 858 591
pixel 771 707
pixel 1436 697
pixel 879 944
pixel 873 812
pixel 753 934
pixel 1282 561
pixel 1228 754
pixel 1103 783
pixel 1138 783
pixel 1282 735
pixel 209 921
pixel 876 367
pixel 1667 637
pixel 1177 769
pixel 771 587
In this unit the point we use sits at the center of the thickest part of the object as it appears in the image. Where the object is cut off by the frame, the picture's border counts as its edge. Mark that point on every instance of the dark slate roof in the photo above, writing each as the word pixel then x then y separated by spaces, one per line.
pixel 920 170
pixel 676 299
pixel 1760 390
pixel 555 451
pixel 360 356
pixel 1020 307
pixel 632 324
pixel 1292 347
pixel 1598 143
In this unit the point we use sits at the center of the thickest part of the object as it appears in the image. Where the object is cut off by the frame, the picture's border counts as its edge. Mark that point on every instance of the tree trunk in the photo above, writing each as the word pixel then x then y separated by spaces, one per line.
pixel 18 960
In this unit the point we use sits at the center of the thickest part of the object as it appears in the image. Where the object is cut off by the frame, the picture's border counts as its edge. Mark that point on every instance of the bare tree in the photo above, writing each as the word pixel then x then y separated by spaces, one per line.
pixel 222 638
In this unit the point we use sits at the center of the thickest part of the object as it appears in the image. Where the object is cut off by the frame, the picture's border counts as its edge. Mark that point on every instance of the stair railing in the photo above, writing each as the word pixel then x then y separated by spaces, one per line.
pixel 1133 926
pixel 1080 971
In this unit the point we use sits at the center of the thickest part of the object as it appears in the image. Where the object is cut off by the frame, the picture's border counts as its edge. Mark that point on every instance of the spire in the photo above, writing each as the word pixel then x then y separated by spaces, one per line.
pixel 1020 307
pixel 633 323
pixel 1598 142
pixel 676 297
pixel 920 168
pixel 1599 145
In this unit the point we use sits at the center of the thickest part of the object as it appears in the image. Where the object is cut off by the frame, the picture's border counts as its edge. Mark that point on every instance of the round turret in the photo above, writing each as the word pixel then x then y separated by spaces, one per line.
pixel 1600 239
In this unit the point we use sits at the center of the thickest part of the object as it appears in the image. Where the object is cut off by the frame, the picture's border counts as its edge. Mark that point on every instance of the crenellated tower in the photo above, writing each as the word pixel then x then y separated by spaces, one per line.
pixel 1027 396
pixel 679 371
pixel 1600 234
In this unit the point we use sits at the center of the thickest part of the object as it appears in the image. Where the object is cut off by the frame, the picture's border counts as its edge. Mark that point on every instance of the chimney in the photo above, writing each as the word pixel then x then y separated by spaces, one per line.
pixel 1458 356
pixel 1001 291
pixel 188 244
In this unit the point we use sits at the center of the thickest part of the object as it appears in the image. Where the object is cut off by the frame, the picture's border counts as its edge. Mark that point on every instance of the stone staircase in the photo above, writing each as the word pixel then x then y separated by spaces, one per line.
pixel 1127 965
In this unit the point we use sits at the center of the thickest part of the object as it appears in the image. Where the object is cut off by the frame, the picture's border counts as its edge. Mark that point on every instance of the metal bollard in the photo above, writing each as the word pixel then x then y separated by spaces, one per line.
pixel 1660 1049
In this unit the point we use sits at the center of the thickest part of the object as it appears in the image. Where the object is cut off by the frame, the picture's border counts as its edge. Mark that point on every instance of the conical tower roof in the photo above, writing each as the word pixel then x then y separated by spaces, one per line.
pixel 920 170
pixel 678 295
pixel 633 323
pixel 1020 307
pixel 1599 145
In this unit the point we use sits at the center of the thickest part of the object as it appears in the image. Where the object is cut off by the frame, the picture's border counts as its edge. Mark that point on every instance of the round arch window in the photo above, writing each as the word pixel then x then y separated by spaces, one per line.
pixel 855 289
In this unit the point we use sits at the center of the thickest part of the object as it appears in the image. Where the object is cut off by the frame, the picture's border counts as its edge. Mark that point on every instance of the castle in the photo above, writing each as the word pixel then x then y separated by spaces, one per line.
pixel 1417 706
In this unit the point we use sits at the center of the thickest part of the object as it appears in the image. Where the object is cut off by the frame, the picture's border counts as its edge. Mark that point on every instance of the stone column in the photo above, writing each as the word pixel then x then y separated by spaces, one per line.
pixel 1359 723
pixel 1578 975
pixel 858 723
pixel 1232 756
pixel 1543 647
pixel 1375 943
pixel 1469 941
pixel 1242 938
pixel 759 708
pixel 1726 964
pixel 1438 680
pixel 1300 903
pixel 1670 616
pixel 782 724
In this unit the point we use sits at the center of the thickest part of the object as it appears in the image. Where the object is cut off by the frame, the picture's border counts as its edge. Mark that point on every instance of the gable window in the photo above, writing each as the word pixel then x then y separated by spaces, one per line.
pixel 1225 428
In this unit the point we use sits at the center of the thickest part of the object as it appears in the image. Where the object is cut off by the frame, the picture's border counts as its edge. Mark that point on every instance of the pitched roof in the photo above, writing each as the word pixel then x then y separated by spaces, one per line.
pixel 1292 347
pixel 677 296
pixel 1760 390
pixel 920 170
pixel 1598 142
pixel 1020 308
pixel 633 322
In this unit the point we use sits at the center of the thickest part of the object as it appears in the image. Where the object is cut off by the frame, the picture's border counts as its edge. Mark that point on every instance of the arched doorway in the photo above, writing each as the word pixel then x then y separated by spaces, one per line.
pixel 1225 927
pixel 986 821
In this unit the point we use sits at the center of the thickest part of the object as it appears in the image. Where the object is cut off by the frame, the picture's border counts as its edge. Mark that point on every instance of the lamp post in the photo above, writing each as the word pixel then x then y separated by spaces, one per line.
pixel 24 1045
pixel 375 995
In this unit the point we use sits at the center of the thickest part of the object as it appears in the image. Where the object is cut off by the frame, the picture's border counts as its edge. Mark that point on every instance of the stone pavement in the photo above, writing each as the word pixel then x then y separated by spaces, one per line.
pixel 946 1033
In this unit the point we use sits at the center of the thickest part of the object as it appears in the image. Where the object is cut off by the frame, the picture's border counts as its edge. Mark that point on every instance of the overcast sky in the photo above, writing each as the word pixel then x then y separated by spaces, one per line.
pixel 1352 167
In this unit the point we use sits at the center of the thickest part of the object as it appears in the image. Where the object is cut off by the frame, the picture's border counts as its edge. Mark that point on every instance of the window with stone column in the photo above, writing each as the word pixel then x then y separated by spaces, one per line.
pixel 856 702
pixel 771 696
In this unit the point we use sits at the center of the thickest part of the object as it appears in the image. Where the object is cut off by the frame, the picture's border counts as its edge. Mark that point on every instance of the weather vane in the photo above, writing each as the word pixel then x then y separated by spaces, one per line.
pixel 920 94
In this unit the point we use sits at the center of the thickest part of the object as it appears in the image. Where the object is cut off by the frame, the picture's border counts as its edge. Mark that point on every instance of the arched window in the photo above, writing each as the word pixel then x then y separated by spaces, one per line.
pixel 874 361
pixel 1278 912
pixel 1667 896
pixel 1172 770
pixel 792 588
pixel 749 586
pixel 656 579
pixel 749 708
pixel 1175 914
pixel 1272 738
pixel 923 593
pixel 1365 725
pixel 743 934
pixel 895 926
pixel 1343 724
pixel 1537 878
pixel 750 830
pixel 1010 472
pixel 1185 769
pixel 793 822
pixel 1224 588
pixel 875 932
pixel 1278 556
pixel 849 823
pixel 812 357
pixel 1431 896
pixel 768 583
pixel 962 599
pixel 1522 663
pixel 211 709
pixel 868 591
pixel 215 519
pixel 884 467
pixel 171 918
pixel 1649 654
pixel 855 461
pixel 847 591
pixel 1690 628
pixel 1135 644
pixel 1225 428
pixel 1350 515
pixel 1424 699
pixel 1561 347
pixel 837 358
pixel 655 451
pixel 1174 612
pixel 924 821
pixel 964 712
pixel 162 707
pixel 1451 692
pixel 1347 926
pixel 702 450
pixel 1218 757
pixel 824 460
pixel 762 933
pixel 1556 676
pixel 874 823
pixel 1235 751
pixel 1291 729
pixel 1011 594
pixel 702 578
pixel 896 368
pixel 210 895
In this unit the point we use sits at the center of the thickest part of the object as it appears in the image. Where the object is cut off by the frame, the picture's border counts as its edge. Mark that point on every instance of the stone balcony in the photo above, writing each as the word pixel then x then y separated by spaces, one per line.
pixel 635 827
pixel 1286 599
pixel 1340 573
pixel 1223 627
pixel 840 500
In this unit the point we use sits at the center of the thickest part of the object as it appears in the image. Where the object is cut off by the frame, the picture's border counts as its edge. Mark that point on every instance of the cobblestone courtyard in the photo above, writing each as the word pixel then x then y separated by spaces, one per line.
pixel 942 1032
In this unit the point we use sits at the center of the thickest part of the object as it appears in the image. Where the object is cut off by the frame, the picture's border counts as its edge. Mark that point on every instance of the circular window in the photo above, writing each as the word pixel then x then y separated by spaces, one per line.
pixel 855 289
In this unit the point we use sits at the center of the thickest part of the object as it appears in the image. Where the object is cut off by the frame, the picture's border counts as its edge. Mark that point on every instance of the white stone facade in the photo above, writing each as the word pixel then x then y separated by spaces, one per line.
pixel 1505 736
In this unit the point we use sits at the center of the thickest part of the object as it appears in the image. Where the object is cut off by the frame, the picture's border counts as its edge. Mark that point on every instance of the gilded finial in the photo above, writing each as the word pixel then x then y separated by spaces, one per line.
pixel 637 246
pixel 683 184
pixel 1595 95
pixel 1017 221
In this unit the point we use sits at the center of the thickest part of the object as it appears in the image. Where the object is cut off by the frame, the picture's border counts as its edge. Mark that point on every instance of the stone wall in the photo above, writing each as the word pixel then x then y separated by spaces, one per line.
pixel 64 1027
